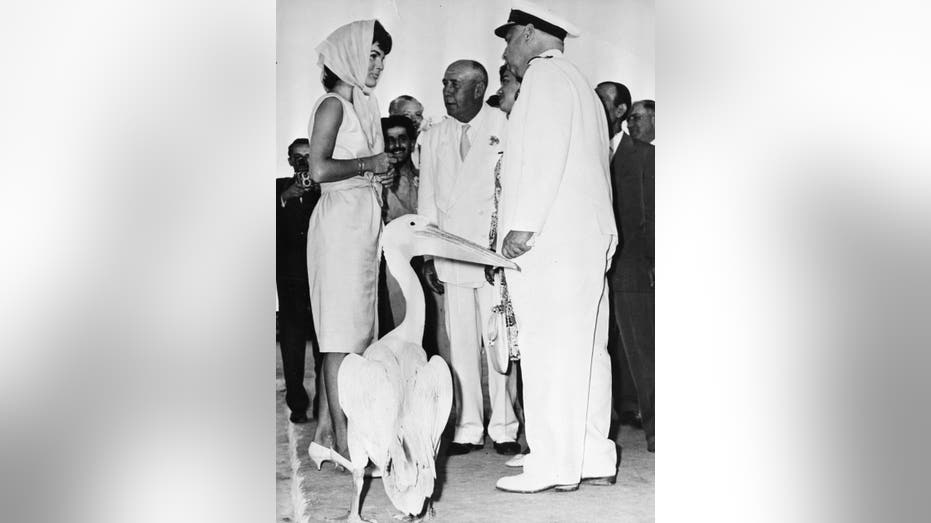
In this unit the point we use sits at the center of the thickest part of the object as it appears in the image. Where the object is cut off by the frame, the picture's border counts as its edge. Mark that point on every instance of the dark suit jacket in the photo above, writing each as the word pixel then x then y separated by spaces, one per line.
pixel 291 231
pixel 632 177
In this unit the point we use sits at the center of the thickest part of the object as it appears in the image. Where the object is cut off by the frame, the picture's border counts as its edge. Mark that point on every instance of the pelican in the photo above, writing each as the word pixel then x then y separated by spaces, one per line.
pixel 396 402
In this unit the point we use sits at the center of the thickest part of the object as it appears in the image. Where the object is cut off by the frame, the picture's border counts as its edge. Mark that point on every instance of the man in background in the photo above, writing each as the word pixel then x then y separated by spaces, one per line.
pixel 632 273
pixel 294 203
pixel 641 121
pixel 401 198
pixel 407 105
pixel 616 99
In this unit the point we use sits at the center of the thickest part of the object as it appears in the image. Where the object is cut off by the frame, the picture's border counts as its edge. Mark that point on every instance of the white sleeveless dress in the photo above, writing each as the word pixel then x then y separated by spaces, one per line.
pixel 343 251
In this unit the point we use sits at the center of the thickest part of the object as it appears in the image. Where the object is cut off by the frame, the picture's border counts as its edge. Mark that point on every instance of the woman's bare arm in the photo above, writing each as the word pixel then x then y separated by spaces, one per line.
pixel 323 168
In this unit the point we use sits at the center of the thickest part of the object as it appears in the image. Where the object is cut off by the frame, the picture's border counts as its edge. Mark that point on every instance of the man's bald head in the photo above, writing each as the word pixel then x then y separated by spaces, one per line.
pixel 407 105
pixel 471 68
pixel 464 85
pixel 616 100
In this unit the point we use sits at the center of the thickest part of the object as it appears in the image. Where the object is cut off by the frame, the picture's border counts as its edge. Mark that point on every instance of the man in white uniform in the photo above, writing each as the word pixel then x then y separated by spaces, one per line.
pixel 557 223
pixel 457 184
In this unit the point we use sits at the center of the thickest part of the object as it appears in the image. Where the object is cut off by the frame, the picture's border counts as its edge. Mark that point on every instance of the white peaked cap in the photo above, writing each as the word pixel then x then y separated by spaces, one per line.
pixel 525 12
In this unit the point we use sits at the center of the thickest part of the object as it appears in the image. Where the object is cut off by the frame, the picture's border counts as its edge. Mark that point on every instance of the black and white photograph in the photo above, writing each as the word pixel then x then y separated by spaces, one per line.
pixel 465 260
pixel 487 277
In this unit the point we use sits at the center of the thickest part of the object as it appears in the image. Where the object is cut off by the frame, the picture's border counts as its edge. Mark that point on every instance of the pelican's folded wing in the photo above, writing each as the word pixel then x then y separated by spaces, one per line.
pixel 369 393
pixel 432 395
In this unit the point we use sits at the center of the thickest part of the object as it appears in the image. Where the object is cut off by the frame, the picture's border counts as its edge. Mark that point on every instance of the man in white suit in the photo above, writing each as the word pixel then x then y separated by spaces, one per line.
pixel 457 163
pixel 558 224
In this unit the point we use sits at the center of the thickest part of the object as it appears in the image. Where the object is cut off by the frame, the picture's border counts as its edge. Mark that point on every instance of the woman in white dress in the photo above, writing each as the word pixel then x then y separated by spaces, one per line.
pixel 347 158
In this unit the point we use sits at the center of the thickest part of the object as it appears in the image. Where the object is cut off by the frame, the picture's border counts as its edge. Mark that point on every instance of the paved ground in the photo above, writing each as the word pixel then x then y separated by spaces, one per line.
pixel 285 512
pixel 465 491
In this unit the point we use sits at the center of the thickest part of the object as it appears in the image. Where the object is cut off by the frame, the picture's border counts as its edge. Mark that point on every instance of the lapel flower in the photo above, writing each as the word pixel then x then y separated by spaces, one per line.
pixel 493 140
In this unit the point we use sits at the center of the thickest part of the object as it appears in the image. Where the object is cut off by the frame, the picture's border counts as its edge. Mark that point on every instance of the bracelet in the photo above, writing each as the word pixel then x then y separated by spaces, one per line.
pixel 361 167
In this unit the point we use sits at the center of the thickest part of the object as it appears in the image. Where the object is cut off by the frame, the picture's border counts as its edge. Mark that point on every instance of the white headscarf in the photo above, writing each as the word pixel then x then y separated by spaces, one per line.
pixel 346 53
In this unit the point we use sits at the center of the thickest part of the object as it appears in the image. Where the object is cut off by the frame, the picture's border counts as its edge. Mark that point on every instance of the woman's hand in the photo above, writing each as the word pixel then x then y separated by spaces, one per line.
pixel 386 179
pixel 380 163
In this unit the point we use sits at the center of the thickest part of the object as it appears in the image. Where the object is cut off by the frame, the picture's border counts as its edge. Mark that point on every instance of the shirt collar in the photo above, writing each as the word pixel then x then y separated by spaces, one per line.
pixel 616 141
pixel 476 121
pixel 550 52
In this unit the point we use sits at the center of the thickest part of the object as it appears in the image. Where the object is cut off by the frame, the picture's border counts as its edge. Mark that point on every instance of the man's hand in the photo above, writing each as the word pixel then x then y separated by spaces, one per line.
pixel 294 191
pixel 516 243
pixel 433 281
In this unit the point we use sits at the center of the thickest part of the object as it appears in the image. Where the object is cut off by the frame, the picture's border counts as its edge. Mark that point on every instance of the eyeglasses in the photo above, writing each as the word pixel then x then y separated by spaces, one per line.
pixel 636 117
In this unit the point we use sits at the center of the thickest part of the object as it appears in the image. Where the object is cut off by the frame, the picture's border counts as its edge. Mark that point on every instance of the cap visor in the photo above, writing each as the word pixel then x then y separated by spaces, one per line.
pixel 502 31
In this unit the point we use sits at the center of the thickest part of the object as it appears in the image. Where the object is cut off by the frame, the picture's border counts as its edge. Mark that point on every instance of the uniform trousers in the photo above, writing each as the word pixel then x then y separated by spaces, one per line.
pixel 561 303
pixel 467 312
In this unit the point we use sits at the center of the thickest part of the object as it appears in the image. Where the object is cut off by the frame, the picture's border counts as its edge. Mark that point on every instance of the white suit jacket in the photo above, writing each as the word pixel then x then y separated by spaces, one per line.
pixel 458 195
pixel 555 176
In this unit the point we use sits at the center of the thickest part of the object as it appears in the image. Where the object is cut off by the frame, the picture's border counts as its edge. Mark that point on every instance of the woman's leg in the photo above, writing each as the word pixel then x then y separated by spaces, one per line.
pixel 331 363
pixel 323 434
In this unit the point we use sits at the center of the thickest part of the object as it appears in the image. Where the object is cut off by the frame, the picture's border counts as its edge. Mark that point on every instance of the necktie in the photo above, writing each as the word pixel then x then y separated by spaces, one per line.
pixel 464 144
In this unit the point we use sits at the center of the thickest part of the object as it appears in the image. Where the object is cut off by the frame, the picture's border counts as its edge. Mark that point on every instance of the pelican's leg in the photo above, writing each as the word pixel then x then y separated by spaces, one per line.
pixel 428 515
pixel 355 509
pixel 359 461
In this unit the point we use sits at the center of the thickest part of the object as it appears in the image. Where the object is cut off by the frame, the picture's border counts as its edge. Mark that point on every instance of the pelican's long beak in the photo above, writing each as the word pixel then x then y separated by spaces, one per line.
pixel 436 242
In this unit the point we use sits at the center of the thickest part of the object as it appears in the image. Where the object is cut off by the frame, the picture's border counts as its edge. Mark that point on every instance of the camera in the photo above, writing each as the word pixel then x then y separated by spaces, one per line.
pixel 302 172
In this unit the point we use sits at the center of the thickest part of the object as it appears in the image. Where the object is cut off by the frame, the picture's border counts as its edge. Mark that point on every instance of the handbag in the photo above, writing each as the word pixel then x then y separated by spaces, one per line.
pixel 501 331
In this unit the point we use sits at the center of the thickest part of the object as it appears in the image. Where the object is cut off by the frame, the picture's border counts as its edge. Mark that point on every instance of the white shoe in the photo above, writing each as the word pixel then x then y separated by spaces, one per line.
pixel 320 454
pixel 516 462
pixel 527 484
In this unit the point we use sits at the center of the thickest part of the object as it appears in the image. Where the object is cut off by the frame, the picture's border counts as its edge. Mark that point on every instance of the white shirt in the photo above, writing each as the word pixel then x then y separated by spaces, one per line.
pixel 470 132
pixel 616 142
pixel 474 124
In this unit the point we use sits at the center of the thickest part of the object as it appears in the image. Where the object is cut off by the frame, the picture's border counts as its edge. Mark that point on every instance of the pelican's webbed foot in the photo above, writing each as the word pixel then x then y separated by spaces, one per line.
pixel 428 515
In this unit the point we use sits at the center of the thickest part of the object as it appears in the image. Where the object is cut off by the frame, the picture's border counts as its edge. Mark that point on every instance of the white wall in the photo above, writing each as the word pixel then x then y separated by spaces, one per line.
pixel 617 44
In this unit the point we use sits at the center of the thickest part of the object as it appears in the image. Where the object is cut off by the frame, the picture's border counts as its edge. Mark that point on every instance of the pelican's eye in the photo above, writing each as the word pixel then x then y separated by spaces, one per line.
pixel 412 224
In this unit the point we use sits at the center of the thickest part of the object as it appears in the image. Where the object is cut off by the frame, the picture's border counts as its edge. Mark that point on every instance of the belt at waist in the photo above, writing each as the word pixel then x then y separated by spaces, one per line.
pixel 365 181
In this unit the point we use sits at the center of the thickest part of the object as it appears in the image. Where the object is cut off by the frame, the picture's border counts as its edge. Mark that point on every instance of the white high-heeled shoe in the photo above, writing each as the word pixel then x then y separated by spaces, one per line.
pixel 320 454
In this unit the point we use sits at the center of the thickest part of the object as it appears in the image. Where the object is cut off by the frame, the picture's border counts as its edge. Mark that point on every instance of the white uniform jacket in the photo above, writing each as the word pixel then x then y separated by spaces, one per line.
pixel 458 195
pixel 562 178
